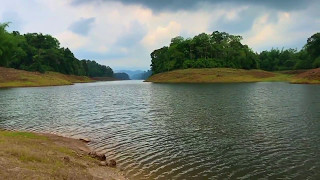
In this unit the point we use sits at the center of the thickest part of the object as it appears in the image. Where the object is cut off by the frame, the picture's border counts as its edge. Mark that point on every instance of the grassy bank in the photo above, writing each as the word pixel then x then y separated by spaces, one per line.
pixel 217 75
pixel 18 78
pixel 41 156
pixel 227 75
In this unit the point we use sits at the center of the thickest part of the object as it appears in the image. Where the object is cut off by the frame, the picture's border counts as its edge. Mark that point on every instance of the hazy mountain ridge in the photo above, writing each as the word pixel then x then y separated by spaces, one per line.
pixel 136 74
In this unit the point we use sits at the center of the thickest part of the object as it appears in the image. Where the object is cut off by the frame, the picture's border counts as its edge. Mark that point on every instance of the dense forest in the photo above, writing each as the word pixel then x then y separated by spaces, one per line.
pixel 38 52
pixel 121 76
pixel 221 49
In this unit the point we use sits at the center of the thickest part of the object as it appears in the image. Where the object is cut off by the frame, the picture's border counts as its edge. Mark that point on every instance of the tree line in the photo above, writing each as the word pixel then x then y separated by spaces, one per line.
pixel 221 49
pixel 38 52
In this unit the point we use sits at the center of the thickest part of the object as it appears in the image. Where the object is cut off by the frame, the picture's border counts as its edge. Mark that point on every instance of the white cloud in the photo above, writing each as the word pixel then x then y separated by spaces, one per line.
pixel 71 40
pixel 117 24
pixel 288 31
pixel 161 35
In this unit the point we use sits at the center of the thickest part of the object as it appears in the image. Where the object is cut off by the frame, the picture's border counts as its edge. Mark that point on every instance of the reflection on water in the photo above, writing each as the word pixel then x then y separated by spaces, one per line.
pixel 182 131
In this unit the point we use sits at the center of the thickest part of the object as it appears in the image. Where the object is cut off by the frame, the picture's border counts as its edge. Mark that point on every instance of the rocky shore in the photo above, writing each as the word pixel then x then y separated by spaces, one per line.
pixel 25 155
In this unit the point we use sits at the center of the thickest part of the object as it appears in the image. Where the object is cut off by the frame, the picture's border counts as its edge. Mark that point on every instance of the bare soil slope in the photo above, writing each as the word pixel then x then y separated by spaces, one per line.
pixel 18 78
pixel 311 76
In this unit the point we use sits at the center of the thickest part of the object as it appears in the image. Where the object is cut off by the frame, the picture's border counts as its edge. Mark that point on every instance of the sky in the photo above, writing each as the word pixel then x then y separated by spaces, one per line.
pixel 122 33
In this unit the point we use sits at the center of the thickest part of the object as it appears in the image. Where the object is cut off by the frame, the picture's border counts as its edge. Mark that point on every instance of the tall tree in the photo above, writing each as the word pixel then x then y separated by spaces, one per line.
pixel 38 52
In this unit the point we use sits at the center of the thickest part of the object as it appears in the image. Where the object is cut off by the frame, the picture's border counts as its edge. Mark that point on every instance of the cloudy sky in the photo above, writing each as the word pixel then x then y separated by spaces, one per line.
pixel 123 33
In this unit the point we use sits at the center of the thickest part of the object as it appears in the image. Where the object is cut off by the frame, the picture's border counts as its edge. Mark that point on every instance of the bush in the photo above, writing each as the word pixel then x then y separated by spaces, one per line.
pixel 316 63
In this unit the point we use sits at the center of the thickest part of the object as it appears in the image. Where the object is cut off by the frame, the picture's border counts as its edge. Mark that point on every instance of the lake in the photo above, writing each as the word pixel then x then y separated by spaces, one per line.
pixel 181 131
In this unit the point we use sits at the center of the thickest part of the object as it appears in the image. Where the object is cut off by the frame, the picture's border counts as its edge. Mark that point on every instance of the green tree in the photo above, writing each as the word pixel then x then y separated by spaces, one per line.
pixel 313 45
pixel 38 52
pixel 9 47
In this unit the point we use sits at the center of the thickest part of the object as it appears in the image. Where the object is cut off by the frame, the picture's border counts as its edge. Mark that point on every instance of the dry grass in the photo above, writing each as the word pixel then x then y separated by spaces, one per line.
pixel 217 75
pixel 18 78
pixel 31 156
pixel 311 76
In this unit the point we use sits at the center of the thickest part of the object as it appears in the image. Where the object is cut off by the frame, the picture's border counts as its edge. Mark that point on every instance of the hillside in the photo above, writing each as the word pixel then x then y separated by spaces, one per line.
pixel 121 76
pixel 42 53
pixel 19 78
pixel 311 76
pixel 217 75
pixel 130 73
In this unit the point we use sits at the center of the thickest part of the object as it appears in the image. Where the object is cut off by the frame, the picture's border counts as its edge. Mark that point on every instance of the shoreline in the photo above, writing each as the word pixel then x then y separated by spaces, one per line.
pixel 229 75
pixel 44 155
pixel 14 78
pixel 10 87
pixel 235 82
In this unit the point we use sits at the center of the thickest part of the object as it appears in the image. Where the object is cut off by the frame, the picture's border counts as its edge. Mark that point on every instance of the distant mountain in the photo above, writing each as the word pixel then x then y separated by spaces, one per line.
pixel 136 75
pixel 142 76
pixel 121 76
pixel 130 72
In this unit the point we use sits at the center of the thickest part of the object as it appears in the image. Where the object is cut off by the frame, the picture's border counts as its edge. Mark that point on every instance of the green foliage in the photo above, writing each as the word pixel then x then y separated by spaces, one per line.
pixel 38 52
pixel 313 45
pixel 97 70
pixel 316 63
pixel 220 49
pixel 9 47
pixel 275 60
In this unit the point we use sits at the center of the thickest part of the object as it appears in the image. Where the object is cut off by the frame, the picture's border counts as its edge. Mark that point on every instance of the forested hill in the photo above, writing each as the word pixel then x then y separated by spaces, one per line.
pixel 38 52
pixel 221 49
pixel 121 76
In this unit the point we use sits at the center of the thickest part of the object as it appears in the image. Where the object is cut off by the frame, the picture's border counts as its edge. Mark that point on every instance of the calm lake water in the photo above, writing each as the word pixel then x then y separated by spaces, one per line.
pixel 182 131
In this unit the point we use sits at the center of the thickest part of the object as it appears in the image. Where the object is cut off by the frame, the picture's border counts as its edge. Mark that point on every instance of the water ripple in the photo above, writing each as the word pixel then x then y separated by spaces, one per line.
pixel 182 131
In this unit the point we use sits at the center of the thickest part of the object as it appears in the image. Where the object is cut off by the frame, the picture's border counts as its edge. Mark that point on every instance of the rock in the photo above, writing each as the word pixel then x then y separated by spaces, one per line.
pixel 103 163
pixel 66 159
pixel 85 140
pixel 112 163
pixel 101 157
pixel 92 154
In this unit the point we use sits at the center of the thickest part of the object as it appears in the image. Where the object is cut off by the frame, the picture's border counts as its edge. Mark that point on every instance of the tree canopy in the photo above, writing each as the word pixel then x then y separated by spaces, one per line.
pixel 121 76
pixel 38 52
pixel 221 49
